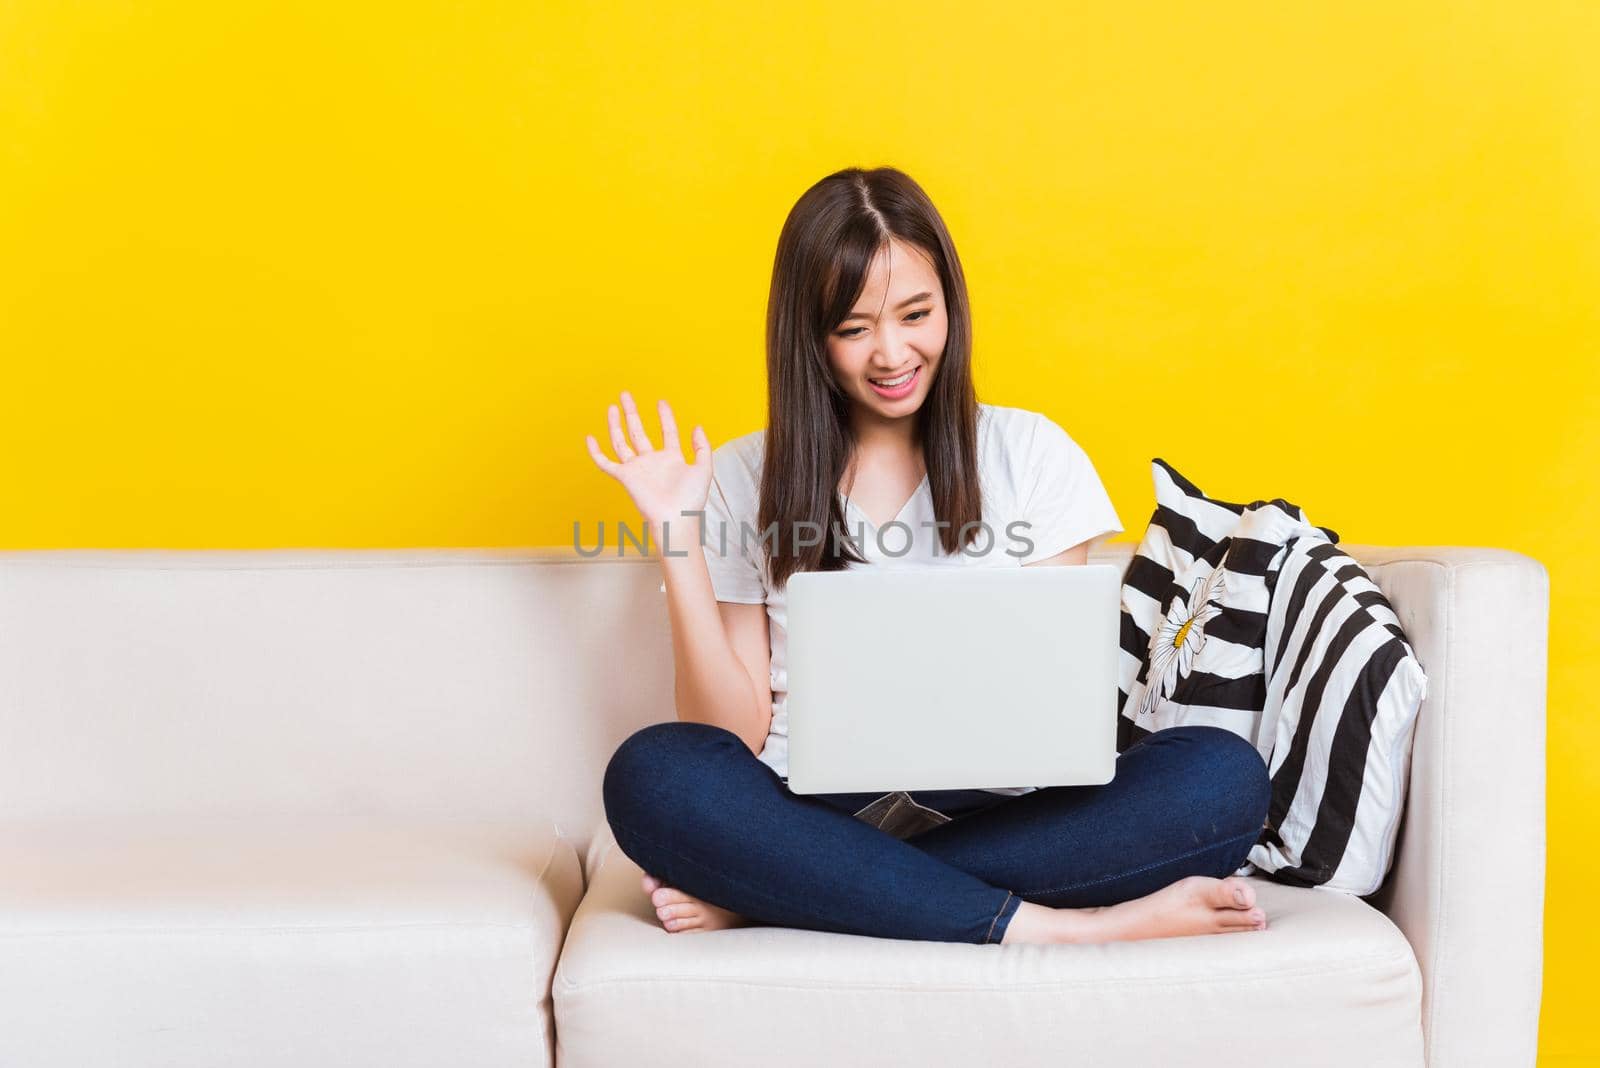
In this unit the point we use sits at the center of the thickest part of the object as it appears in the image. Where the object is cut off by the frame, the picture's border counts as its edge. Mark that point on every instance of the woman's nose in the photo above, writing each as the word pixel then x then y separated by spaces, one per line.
pixel 890 351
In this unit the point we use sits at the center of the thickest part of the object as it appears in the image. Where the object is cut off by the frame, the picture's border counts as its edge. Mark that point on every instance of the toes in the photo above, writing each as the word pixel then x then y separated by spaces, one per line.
pixel 1233 893
pixel 1242 918
pixel 1250 920
pixel 683 910
pixel 667 895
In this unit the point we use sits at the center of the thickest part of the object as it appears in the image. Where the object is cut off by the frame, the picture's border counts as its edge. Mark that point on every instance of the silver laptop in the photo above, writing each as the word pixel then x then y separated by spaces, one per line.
pixel 945 677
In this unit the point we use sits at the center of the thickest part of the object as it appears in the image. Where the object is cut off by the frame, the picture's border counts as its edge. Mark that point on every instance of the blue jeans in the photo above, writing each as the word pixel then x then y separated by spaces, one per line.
pixel 691 804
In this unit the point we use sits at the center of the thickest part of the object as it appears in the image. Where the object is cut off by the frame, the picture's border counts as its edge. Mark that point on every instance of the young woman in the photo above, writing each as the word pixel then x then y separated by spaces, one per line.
pixel 875 437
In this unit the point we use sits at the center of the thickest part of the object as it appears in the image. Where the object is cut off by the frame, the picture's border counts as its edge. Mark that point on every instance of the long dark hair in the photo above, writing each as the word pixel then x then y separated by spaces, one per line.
pixel 826 246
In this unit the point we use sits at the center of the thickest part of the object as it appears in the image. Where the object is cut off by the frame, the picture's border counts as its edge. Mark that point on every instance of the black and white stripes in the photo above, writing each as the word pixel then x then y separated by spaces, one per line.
pixel 1203 571
pixel 1343 691
pixel 1248 617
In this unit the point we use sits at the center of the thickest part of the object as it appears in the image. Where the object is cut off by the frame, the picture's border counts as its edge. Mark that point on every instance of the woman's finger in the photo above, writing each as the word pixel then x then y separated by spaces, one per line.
pixel 702 446
pixel 604 462
pixel 669 427
pixel 641 440
pixel 619 443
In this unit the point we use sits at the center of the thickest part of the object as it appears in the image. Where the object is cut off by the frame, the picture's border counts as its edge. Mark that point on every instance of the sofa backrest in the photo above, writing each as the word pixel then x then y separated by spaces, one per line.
pixel 440 683
pixel 446 684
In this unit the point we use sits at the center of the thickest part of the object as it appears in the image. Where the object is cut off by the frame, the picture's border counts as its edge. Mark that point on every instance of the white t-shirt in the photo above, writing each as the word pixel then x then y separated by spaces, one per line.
pixel 1028 470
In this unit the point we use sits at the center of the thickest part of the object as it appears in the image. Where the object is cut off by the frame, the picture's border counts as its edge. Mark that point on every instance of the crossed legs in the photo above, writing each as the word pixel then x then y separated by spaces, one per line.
pixel 1148 854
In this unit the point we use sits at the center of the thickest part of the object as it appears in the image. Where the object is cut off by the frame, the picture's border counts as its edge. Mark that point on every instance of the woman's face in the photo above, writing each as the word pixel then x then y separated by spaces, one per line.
pixel 896 328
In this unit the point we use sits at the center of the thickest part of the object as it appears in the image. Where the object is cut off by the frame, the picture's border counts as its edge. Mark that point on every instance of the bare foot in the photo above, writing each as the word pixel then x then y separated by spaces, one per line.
pixel 1192 906
pixel 679 912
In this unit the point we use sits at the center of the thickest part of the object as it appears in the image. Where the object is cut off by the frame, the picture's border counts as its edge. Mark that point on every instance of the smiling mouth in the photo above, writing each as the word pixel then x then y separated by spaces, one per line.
pixel 898 380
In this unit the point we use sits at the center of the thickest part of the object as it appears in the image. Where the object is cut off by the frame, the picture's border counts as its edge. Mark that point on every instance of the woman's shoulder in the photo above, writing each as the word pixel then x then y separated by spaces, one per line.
pixel 1006 420
pixel 736 464
pixel 744 451
pixel 1012 434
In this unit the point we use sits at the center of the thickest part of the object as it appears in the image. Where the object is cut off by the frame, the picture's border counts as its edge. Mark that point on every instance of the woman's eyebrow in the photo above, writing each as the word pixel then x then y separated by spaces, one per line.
pixel 909 300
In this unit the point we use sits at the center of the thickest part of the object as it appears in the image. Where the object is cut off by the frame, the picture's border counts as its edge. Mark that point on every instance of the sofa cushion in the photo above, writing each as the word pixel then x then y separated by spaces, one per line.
pixel 1331 979
pixel 1249 618
pixel 1194 608
pixel 1344 690
pixel 250 943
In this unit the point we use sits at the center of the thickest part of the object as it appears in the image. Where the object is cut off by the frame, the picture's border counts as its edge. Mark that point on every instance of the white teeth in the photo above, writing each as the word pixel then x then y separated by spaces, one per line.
pixel 892 382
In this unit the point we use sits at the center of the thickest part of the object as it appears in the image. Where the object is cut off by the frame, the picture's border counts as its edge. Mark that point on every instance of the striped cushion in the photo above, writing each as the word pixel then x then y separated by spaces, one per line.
pixel 1344 688
pixel 1248 617
pixel 1193 632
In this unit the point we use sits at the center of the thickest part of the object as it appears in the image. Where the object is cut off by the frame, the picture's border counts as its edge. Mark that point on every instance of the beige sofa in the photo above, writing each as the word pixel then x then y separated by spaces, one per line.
pixel 308 808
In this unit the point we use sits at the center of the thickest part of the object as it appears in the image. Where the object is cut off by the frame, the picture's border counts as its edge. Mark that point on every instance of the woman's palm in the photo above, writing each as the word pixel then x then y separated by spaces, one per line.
pixel 662 486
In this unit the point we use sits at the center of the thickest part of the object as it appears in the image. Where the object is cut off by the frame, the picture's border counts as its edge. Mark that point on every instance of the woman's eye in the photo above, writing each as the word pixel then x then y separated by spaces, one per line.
pixel 915 316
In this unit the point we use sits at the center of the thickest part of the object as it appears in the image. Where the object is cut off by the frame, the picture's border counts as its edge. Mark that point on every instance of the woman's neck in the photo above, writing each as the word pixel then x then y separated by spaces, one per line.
pixel 886 445
pixel 887 437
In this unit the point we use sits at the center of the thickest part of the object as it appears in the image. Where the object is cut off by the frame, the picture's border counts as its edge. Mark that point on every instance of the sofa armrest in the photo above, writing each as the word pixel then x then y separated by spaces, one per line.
pixel 1467 886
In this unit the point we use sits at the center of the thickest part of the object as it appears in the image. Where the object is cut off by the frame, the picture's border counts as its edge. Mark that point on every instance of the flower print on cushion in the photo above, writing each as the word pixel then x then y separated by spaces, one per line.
pixel 1194 610
pixel 1180 637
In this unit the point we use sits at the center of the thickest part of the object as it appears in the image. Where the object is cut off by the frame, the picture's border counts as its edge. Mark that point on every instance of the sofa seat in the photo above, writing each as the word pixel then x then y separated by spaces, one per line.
pixel 1331 982
pixel 281 941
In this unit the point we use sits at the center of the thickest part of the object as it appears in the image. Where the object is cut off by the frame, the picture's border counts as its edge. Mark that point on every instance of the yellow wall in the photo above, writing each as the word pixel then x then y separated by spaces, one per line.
pixel 366 273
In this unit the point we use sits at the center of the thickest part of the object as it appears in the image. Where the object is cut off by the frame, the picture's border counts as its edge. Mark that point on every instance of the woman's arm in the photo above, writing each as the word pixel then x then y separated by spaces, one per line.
pixel 720 653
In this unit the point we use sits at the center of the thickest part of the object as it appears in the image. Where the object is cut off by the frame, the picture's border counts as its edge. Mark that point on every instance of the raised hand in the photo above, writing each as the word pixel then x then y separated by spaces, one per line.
pixel 662 486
